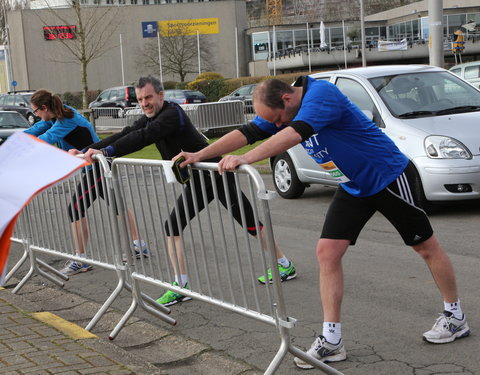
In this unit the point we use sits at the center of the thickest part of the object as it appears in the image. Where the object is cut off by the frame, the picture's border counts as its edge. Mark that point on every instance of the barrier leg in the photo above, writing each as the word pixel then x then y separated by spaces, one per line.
pixel 52 270
pixel 17 266
pixel 108 302
pixel 35 269
pixel 277 360
pixel 24 280
pixel 136 301
pixel 146 298
pixel 124 319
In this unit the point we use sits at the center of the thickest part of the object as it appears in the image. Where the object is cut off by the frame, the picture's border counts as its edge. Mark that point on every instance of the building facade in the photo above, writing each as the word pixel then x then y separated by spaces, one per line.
pixel 40 59
pixel 286 48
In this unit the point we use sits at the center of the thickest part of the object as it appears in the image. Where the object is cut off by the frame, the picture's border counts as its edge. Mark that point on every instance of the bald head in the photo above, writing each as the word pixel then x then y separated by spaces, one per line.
pixel 270 93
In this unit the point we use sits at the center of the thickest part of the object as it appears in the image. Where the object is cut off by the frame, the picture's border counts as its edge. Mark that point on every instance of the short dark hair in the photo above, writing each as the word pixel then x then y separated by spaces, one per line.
pixel 155 82
pixel 270 93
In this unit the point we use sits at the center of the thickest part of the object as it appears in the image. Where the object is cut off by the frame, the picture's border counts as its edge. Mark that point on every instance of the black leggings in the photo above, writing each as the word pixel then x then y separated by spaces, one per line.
pixel 86 193
pixel 235 206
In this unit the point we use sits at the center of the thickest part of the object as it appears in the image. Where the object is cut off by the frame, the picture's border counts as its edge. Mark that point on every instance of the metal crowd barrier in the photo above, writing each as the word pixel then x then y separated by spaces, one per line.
pixel 217 115
pixel 113 118
pixel 214 243
pixel 44 227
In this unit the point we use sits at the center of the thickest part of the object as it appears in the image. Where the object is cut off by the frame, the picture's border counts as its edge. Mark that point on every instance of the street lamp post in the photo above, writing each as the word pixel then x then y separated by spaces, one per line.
pixel 362 34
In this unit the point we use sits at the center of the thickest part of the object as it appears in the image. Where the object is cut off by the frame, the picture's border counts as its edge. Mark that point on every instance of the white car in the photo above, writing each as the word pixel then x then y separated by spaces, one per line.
pixel 432 116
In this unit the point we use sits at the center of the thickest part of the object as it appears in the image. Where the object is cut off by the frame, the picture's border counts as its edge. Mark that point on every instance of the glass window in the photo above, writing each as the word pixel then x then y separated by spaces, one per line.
pixel 315 37
pixel 284 40
pixel 472 72
pixel 454 22
pixel 9 100
pixel 260 44
pixel 300 39
pixel 103 96
pixel 356 93
pixel 336 36
pixel 456 71
pixel 2 100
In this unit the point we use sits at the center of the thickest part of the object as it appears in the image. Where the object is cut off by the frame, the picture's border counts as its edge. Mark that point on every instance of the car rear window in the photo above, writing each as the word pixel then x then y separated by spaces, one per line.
pixel 131 93
pixel 195 93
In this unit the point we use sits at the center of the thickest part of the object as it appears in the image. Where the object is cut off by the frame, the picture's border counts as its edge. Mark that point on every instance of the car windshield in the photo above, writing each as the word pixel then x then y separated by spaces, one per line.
pixel 426 94
pixel 12 120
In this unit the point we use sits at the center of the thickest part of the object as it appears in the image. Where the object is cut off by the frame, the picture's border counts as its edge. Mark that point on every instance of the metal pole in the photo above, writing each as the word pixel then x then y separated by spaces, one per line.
pixel 198 52
pixel 274 51
pixel 344 44
pixel 435 25
pixel 236 50
pixel 159 57
pixel 308 50
pixel 362 33
pixel 121 60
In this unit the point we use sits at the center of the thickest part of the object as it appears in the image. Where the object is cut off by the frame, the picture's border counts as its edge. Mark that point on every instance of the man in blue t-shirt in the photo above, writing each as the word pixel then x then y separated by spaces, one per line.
pixel 373 175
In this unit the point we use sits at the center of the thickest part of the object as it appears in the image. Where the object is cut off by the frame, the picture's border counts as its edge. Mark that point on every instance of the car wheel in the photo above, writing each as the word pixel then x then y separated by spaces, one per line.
pixel 285 177
pixel 419 194
pixel 31 118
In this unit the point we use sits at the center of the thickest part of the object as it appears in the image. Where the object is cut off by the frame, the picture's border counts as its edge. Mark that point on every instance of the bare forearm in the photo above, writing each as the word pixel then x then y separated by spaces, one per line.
pixel 277 144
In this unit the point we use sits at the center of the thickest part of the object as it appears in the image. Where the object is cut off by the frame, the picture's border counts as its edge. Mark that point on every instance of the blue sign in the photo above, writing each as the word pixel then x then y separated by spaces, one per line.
pixel 14 83
pixel 150 29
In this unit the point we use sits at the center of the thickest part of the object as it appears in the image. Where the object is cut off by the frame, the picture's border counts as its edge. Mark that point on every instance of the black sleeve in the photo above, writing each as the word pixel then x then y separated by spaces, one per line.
pixel 166 123
pixel 302 128
pixel 140 123
pixel 253 133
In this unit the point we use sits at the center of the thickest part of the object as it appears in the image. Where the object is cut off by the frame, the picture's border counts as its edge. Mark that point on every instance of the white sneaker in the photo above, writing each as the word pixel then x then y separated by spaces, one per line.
pixel 324 351
pixel 72 267
pixel 447 328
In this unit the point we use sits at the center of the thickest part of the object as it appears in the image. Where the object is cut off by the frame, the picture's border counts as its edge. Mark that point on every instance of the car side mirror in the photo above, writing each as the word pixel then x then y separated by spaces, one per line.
pixel 237 94
pixel 22 104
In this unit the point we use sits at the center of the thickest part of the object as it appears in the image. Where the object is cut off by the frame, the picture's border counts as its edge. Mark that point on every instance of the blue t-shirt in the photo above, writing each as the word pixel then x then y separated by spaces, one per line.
pixel 349 146
pixel 68 133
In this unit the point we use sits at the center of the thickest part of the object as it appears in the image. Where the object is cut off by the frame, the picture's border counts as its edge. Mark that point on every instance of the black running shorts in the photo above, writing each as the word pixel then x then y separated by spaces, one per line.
pixel 347 215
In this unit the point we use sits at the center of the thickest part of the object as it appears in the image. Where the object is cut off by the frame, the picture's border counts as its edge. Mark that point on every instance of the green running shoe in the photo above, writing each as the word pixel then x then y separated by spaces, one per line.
pixel 285 274
pixel 171 298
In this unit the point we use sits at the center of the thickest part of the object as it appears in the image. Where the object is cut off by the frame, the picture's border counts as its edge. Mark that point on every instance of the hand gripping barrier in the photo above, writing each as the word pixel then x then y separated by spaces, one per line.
pixel 223 255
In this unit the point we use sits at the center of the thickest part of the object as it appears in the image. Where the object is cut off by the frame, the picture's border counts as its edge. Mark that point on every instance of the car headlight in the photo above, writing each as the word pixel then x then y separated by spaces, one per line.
pixel 441 147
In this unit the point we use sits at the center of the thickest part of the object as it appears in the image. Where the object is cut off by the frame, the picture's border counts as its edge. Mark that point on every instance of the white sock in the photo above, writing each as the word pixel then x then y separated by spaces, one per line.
pixel 332 331
pixel 454 308
pixel 283 261
pixel 183 278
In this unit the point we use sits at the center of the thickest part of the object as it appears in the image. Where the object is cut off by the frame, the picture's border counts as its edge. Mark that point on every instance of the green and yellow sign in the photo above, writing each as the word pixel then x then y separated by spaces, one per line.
pixel 188 26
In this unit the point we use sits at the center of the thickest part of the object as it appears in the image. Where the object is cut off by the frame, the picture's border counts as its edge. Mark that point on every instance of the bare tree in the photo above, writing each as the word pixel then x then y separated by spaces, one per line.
pixel 178 46
pixel 5 7
pixel 94 31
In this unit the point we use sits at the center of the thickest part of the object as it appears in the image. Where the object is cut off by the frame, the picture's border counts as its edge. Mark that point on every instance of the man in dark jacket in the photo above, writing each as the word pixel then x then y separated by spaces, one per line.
pixel 168 126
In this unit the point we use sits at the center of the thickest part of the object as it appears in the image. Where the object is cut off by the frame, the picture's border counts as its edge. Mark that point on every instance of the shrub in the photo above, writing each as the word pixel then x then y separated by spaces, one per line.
pixel 209 76
pixel 169 85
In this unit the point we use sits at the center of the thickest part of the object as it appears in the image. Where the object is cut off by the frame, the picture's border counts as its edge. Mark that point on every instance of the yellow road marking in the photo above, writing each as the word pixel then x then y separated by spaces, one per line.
pixel 70 329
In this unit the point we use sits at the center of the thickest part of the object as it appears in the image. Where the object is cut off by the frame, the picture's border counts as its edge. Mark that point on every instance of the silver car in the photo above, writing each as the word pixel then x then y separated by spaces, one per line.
pixel 432 116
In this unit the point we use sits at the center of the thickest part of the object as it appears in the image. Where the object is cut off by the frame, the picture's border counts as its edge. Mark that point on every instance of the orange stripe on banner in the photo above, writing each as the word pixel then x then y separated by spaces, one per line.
pixel 5 243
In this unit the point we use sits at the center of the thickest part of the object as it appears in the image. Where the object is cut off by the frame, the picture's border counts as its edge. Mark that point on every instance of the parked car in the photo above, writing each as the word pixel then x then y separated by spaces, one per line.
pixel 430 114
pixel 470 72
pixel 10 123
pixel 19 102
pixel 113 101
pixel 184 96
pixel 244 94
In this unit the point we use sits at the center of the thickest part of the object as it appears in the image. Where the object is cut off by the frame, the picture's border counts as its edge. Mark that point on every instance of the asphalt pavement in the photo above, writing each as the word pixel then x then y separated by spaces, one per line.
pixel 390 299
